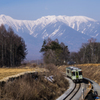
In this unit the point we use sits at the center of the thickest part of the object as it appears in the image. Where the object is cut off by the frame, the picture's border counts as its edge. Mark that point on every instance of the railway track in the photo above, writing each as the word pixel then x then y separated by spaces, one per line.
pixel 76 91
pixel 71 95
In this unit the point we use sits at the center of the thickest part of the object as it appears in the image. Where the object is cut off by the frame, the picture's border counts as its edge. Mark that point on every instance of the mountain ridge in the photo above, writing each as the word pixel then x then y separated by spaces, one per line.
pixel 72 30
pixel 43 21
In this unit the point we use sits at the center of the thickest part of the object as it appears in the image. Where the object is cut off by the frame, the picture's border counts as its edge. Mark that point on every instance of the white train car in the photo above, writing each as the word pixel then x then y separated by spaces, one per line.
pixel 74 73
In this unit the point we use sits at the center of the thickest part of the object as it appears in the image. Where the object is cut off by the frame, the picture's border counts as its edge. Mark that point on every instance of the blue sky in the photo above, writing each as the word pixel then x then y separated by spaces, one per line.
pixel 34 9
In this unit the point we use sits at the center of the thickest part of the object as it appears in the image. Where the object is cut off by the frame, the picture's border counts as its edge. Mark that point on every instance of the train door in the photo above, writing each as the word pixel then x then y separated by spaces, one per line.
pixel 77 75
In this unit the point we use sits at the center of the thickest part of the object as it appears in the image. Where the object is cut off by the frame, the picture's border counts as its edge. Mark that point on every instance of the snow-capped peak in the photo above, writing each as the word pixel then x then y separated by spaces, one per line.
pixel 66 19
pixel 4 17
pixel 30 25
pixel 69 20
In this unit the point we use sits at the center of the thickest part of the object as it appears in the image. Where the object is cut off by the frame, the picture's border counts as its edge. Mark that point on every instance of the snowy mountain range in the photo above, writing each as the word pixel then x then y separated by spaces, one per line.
pixel 72 30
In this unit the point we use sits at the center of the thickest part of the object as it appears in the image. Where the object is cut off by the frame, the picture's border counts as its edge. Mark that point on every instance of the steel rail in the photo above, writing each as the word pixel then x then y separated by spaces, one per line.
pixel 76 92
pixel 75 89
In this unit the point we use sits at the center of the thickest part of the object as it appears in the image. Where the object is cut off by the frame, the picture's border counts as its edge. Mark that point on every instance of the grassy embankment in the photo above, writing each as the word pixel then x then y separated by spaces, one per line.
pixel 41 89
pixel 35 88
pixel 5 72
pixel 91 71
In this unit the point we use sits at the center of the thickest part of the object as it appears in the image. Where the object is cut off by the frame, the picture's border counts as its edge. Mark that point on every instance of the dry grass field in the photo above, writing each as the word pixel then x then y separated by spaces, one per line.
pixel 5 72
pixel 91 71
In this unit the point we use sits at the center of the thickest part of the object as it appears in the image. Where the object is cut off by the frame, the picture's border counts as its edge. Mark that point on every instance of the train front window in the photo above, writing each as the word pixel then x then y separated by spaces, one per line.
pixel 73 73
pixel 80 73
pixel 76 73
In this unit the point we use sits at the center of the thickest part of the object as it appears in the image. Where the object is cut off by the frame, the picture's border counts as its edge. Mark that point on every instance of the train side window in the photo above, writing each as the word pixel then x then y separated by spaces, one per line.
pixel 67 71
pixel 73 73
pixel 80 72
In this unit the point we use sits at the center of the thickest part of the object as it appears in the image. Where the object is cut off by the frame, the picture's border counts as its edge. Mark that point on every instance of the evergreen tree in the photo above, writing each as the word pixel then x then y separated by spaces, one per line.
pixel 53 52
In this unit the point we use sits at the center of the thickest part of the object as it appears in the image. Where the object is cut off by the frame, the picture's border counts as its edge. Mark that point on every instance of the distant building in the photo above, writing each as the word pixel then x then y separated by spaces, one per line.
pixel 71 62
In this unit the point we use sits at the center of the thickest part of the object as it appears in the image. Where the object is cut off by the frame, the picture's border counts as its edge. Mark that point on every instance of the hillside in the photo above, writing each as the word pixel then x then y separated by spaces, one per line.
pixel 91 71
pixel 46 84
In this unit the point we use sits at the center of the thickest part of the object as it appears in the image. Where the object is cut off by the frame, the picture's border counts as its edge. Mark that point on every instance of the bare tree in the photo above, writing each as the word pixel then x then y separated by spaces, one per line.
pixel 12 47
pixel 92 43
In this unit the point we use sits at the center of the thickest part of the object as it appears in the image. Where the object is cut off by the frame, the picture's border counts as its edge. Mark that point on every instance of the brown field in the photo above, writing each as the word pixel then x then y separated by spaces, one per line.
pixel 91 71
pixel 41 87
pixel 5 72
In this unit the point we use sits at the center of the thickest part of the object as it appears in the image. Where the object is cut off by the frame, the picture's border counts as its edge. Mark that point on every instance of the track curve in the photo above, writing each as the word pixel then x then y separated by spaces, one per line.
pixel 73 92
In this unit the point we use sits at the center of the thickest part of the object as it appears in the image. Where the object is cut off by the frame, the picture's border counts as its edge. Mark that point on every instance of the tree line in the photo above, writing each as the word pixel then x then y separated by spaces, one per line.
pixel 12 48
pixel 88 53
pixel 56 53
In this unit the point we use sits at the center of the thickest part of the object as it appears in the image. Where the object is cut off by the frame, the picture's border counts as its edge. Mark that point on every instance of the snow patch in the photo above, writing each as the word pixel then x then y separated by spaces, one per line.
pixel 97 34
pixel 83 31
pixel 89 25
pixel 73 25
pixel 44 31
pixel 45 35
pixel 35 35
pixel 95 31
pixel 54 33
pixel 77 26
pixel 60 34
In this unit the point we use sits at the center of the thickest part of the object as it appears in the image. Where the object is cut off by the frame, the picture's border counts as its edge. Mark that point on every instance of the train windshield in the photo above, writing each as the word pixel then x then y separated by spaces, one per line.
pixel 73 73
pixel 80 73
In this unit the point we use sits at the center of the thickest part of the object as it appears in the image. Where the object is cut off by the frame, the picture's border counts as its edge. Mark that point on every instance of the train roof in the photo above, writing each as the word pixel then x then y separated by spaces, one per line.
pixel 73 68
